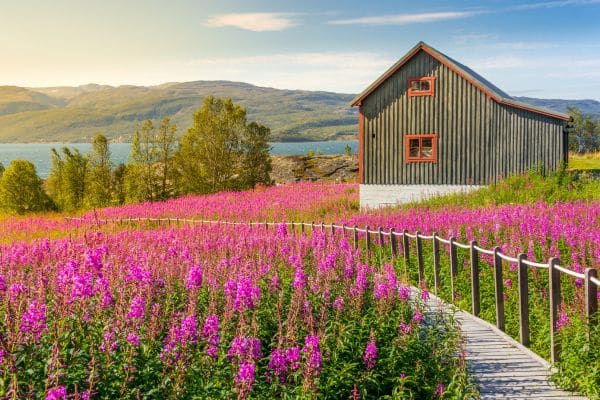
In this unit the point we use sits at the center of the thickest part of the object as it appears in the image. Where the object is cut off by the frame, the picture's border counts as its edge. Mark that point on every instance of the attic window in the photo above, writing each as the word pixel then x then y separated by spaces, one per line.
pixel 424 86
pixel 421 148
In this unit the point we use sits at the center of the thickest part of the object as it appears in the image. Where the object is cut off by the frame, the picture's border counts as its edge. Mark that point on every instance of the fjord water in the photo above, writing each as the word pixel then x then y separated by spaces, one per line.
pixel 39 153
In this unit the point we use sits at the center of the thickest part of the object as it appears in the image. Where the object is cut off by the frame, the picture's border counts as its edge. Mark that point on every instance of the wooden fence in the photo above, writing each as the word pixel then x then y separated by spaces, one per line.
pixel 589 277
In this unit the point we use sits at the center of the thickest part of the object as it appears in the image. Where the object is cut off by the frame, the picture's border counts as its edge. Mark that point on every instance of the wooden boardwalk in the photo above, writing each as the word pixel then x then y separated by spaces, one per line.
pixel 500 366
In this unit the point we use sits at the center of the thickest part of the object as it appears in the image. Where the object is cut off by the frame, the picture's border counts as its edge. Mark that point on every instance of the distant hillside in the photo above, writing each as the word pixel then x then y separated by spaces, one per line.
pixel 75 114
pixel 586 106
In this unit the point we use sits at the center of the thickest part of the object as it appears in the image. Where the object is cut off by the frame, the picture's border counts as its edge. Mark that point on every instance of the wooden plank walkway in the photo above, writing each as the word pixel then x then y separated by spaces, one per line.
pixel 500 366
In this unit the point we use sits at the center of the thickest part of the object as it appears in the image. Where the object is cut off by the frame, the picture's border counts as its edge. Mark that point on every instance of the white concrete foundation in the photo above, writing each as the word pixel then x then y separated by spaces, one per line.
pixel 375 196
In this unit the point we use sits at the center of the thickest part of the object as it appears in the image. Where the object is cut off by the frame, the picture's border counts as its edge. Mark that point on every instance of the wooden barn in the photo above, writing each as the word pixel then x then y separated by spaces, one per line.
pixel 431 125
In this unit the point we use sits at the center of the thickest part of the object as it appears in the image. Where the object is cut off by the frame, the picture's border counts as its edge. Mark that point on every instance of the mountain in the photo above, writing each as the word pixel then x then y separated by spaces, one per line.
pixel 75 114
pixel 586 106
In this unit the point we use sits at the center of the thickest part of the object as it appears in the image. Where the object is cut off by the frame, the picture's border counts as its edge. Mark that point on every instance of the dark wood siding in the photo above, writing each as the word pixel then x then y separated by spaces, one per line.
pixel 478 141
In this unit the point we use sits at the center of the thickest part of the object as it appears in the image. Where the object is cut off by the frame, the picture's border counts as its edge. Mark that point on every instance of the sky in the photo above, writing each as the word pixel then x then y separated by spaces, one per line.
pixel 545 49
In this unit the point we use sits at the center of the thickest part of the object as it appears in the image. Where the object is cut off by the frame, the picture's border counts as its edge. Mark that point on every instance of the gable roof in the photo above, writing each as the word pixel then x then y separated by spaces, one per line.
pixel 467 73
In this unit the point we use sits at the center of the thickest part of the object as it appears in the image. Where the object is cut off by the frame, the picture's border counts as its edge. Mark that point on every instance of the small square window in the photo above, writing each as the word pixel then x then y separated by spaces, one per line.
pixel 424 86
pixel 421 148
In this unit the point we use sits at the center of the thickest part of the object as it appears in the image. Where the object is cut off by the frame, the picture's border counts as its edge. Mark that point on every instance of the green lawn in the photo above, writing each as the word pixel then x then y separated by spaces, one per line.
pixel 584 161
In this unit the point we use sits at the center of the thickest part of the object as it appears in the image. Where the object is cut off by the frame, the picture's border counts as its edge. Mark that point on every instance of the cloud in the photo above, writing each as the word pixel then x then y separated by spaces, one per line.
pixel 256 22
pixel 405 19
pixel 553 4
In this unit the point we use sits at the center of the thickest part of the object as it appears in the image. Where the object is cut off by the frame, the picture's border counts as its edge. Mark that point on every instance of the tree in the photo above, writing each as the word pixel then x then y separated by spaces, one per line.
pixel 220 151
pixel 585 135
pixel 256 161
pixel 167 148
pixel 151 173
pixel 119 183
pixel 67 179
pixel 99 180
pixel 21 189
pixel 1 169
pixel 140 178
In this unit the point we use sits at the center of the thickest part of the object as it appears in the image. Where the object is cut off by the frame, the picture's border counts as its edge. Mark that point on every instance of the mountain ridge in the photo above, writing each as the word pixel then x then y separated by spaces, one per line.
pixel 76 113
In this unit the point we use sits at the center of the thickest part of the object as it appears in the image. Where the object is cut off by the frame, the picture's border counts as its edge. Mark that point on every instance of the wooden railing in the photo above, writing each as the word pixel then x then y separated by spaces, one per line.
pixel 589 277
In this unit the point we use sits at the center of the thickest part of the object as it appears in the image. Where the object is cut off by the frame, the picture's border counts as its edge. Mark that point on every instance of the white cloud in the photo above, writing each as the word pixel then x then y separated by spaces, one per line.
pixel 554 4
pixel 405 19
pixel 256 22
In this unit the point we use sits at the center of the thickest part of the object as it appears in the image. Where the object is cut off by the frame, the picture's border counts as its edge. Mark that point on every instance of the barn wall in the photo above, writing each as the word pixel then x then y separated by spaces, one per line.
pixel 478 140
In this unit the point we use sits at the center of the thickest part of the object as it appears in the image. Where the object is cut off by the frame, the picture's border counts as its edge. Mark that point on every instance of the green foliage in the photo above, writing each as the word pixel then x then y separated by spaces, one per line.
pixel 585 135
pixel 150 174
pixel 21 190
pixel 582 162
pixel 67 179
pixel 99 180
pixel 530 187
pixel 579 366
pixel 348 150
pixel 221 151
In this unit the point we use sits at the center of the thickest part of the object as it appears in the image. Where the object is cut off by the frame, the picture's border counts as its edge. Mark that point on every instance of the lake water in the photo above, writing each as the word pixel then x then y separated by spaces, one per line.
pixel 39 153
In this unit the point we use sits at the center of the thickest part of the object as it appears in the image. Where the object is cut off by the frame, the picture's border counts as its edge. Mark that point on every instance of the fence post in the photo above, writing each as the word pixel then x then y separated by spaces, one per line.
pixel 393 243
pixel 292 228
pixel 266 226
pixel 475 295
pixel 591 295
pixel 436 263
pixel 368 239
pixel 499 289
pixel 355 231
pixel 380 235
pixel 405 249
pixel 344 230
pixel 312 228
pixel 523 300
pixel 554 285
pixel 322 226
pixel 453 266
pixel 332 229
pixel 420 258
pixel 302 227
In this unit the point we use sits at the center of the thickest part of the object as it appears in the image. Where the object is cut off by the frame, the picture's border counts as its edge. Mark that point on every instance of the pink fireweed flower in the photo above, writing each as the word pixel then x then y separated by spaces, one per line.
pixel 194 278
pixel 244 294
pixel 404 292
pixel 312 352
pixel 133 339
pixel 299 281
pixel 281 230
pixel 58 393
pixel 137 308
pixel 508 283
pixel 245 379
pixel 3 355
pixel 417 317
pixel 405 329
pixel 244 349
pixel 275 283
pixel 424 294
pixel 292 357
pixel 83 286
pixel 439 390
pixel 563 319
pixel 370 356
pixel 33 321
pixel 278 364
pixel 109 342
pixel 338 303
pixel 210 333
pixel 16 289
pixel 2 283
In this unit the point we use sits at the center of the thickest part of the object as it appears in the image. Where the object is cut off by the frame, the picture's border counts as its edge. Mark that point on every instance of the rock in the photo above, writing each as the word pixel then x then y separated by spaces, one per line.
pixel 336 168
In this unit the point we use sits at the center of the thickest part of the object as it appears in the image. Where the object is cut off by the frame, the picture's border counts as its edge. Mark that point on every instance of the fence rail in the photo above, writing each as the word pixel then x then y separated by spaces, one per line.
pixel 589 277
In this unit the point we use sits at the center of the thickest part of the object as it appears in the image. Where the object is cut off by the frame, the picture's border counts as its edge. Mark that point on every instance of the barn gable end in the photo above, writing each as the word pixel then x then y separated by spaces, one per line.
pixel 478 133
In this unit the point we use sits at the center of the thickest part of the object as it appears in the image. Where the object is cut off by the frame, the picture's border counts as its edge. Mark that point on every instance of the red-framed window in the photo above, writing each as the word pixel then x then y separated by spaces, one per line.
pixel 424 86
pixel 421 148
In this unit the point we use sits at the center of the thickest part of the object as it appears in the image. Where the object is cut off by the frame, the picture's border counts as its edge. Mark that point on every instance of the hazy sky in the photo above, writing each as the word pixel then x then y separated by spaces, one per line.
pixel 548 49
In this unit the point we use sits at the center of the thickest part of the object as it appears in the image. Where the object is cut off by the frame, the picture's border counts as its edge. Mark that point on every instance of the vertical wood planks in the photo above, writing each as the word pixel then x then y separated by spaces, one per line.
pixel 523 271
pixel 436 263
pixel 420 258
pixel 554 286
pixel 453 266
pixel 355 236
pixel 393 243
pixel 591 295
pixel 475 292
pixel 499 289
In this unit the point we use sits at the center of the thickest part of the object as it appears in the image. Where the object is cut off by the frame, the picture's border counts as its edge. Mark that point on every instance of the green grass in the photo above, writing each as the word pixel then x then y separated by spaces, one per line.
pixel 530 187
pixel 589 161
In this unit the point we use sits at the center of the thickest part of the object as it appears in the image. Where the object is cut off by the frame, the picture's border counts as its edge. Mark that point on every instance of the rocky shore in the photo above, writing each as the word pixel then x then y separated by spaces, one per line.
pixel 336 168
